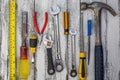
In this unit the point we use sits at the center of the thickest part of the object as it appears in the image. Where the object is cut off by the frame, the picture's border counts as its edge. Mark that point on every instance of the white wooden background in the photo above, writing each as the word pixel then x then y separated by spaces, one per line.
pixel 110 37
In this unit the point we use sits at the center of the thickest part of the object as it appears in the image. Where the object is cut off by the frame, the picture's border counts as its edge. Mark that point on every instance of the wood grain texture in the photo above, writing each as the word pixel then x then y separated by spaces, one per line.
pixel 110 37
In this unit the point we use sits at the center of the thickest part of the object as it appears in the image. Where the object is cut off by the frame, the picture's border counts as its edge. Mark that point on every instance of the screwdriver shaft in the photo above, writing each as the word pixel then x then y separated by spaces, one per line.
pixel 66 33
pixel 89 49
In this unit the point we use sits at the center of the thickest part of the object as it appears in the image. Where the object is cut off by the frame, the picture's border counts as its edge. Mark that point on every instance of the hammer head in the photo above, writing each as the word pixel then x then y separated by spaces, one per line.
pixel 97 6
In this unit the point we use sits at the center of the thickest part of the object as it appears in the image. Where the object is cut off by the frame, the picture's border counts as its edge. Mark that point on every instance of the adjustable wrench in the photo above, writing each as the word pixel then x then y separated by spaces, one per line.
pixel 55 13
pixel 73 33
pixel 48 42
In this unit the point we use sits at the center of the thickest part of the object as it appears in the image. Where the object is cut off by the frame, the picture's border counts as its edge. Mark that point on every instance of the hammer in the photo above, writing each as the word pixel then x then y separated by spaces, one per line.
pixel 97 7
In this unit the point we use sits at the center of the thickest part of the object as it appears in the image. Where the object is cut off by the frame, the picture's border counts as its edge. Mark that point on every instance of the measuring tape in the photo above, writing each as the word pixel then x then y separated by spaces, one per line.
pixel 12 39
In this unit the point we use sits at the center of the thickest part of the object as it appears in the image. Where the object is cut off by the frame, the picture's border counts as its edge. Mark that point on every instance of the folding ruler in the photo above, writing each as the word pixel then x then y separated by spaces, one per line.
pixel 12 39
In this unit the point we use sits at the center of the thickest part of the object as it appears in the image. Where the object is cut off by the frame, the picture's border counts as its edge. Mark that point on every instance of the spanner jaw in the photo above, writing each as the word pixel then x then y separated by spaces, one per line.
pixel 59 65
pixel 47 41
pixel 55 12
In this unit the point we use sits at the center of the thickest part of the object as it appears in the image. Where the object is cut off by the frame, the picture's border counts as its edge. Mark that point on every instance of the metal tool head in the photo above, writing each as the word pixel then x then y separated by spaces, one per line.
pixel 47 40
pixel 73 32
pixel 73 73
pixel 55 12
pixel 59 65
pixel 24 27
pixel 97 6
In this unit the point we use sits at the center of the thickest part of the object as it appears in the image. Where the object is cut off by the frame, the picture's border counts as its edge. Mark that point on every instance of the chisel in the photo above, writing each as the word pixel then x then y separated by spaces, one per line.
pixel 23 68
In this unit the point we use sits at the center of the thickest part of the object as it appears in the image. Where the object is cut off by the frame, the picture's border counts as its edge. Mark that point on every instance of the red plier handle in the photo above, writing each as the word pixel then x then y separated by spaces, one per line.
pixel 36 25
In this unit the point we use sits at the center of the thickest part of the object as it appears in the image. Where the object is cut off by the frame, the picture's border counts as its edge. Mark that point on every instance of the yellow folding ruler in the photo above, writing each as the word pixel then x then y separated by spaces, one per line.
pixel 12 39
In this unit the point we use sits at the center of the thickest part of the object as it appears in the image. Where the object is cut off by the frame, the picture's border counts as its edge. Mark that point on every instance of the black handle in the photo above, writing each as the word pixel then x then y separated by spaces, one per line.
pixel 99 66
pixel 83 67
pixel 51 69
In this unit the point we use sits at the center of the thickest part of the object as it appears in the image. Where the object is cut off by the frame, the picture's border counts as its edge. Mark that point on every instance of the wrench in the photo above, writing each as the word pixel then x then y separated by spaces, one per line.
pixel 47 40
pixel 55 13
pixel 73 33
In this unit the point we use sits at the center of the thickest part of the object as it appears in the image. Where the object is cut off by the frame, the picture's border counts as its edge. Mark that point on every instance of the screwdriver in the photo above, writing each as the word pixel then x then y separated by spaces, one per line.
pixel 89 24
pixel 82 72
pixel 23 67
pixel 33 45
pixel 66 32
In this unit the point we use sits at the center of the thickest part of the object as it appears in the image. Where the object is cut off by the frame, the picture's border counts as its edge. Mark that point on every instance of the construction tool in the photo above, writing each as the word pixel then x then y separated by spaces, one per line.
pixel 82 72
pixel 89 24
pixel 12 39
pixel 33 44
pixel 97 7
pixel 36 25
pixel 33 40
pixel 73 33
pixel 55 13
pixel 48 42
pixel 23 67
pixel 66 33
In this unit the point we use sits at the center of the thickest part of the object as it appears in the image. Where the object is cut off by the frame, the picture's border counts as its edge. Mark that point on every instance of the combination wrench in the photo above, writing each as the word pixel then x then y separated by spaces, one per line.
pixel 55 13
pixel 73 71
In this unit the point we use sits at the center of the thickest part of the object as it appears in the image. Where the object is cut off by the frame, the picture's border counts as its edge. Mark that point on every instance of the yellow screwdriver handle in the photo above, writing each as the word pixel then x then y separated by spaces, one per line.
pixel 82 72
pixel 66 22
pixel 33 44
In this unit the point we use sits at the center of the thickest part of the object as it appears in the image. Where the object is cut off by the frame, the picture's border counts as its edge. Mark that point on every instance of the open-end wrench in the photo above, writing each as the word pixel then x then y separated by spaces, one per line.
pixel 73 33
pixel 48 42
pixel 55 13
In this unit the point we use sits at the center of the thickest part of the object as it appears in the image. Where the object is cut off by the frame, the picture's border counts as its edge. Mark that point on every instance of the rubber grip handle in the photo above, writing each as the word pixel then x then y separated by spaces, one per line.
pixel 99 67
pixel 51 69
pixel 35 23
pixel 89 27
pixel 82 72
pixel 45 23
pixel 66 22
pixel 23 52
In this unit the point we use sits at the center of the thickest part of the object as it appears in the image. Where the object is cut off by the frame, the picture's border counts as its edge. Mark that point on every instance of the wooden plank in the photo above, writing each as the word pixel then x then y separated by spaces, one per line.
pixel 113 42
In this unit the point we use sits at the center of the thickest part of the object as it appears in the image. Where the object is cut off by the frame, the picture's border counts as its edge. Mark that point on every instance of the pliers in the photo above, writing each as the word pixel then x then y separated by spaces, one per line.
pixel 37 30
